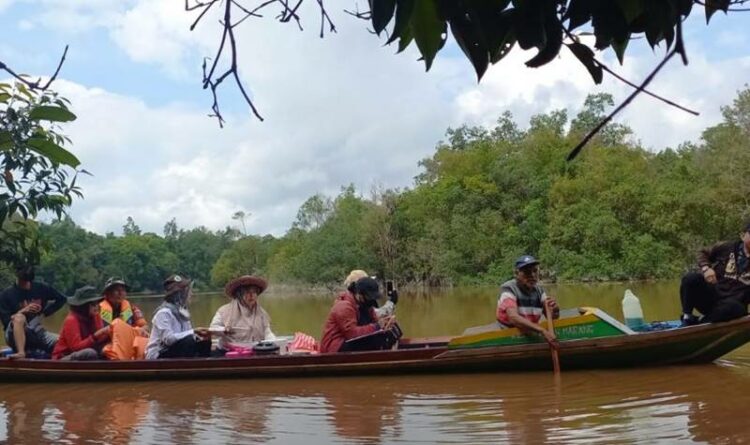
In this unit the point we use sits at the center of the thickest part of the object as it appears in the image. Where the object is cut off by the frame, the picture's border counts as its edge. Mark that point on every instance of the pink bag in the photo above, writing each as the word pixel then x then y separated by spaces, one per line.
pixel 304 343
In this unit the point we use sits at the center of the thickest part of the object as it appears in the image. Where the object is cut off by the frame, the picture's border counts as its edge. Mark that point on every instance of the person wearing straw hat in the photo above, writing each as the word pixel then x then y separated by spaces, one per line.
pixel 83 334
pixel 172 333
pixel 243 320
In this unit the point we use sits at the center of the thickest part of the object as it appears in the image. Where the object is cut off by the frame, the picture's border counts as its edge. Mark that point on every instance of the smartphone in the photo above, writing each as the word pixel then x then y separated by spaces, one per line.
pixel 388 287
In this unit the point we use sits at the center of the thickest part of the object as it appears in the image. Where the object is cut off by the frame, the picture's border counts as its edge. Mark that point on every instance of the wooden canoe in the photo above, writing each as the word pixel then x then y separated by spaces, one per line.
pixel 689 345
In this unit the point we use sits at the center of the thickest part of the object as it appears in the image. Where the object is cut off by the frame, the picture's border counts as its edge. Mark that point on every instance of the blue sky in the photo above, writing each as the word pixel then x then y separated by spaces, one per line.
pixel 335 108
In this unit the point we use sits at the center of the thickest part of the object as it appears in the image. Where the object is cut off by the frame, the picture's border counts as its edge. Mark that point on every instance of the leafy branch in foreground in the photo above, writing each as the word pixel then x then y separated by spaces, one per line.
pixel 488 30
pixel 38 173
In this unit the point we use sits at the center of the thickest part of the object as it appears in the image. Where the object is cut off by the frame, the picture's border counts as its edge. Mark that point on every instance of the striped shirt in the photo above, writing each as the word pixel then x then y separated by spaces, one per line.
pixel 530 305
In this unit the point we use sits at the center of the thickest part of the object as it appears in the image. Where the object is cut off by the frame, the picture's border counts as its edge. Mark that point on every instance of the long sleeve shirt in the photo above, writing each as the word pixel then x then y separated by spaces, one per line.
pixel 166 330
pixel 341 324
pixel 77 333
pixel 732 268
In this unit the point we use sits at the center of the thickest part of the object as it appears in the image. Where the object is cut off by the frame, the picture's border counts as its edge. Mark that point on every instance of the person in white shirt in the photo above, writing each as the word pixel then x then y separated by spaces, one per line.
pixel 172 333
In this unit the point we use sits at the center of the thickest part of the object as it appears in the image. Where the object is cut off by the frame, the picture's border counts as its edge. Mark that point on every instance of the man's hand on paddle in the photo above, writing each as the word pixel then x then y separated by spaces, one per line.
pixel 551 302
pixel 550 338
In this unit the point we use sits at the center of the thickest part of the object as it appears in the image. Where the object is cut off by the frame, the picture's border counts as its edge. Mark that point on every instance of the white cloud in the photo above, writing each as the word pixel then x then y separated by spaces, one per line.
pixel 338 110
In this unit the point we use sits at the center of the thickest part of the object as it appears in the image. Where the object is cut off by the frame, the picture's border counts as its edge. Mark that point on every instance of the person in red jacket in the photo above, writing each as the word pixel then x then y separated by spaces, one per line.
pixel 353 315
pixel 83 334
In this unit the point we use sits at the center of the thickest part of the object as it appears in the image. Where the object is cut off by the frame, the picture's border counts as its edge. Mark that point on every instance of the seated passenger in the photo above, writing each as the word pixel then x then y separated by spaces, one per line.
pixel 129 333
pixel 721 290
pixel 243 319
pixel 388 308
pixel 22 308
pixel 172 333
pixel 352 315
pixel 522 300
pixel 83 334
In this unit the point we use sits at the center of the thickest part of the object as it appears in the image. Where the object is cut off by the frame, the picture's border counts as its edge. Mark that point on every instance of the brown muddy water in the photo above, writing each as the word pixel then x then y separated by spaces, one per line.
pixel 690 404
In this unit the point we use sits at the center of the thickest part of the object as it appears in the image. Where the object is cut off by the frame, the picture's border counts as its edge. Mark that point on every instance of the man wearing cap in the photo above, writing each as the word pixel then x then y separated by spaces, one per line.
pixel 522 300
pixel 129 333
pixel 22 307
pixel 721 290
pixel 172 333
pixel 343 320
pixel 83 334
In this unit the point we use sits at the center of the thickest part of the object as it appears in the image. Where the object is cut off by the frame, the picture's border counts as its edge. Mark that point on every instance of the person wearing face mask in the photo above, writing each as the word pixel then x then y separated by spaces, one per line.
pixel 522 300
pixel 243 320
pixel 353 315
pixel 22 308
pixel 83 334
pixel 172 333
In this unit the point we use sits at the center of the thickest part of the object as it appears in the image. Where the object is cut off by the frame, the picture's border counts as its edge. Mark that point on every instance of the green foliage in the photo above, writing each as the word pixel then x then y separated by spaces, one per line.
pixel 488 30
pixel 486 196
pixel 36 169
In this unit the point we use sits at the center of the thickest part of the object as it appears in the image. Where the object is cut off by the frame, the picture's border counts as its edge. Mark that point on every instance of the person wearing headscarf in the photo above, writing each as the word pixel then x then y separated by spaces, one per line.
pixel 243 320
pixel 129 327
pixel 172 333
pixel 83 334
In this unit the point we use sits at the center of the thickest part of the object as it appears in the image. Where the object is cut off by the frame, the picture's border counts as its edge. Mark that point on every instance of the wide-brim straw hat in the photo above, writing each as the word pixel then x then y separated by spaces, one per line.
pixel 243 281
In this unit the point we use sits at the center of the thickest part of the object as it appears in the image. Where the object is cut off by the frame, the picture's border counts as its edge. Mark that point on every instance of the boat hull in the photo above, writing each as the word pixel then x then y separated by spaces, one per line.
pixel 696 344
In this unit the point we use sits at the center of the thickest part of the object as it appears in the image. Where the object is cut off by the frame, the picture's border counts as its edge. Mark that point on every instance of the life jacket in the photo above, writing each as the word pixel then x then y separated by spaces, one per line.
pixel 127 314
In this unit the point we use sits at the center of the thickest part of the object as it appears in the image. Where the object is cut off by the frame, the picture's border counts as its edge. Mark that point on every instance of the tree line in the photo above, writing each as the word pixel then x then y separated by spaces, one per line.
pixel 487 195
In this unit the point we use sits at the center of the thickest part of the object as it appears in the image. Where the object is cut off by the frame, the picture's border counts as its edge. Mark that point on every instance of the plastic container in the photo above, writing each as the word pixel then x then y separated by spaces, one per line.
pixel 632 311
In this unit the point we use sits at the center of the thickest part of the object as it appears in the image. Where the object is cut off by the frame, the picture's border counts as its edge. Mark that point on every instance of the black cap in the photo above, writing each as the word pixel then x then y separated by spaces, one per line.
pixel 368 287
pixel 525 260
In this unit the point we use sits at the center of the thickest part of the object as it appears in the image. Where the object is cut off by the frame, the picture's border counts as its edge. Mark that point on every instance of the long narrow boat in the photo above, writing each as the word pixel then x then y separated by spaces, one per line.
pixel 595 347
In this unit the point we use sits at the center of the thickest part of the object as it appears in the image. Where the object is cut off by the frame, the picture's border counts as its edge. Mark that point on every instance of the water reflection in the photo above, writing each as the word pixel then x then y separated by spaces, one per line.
pixel 701 403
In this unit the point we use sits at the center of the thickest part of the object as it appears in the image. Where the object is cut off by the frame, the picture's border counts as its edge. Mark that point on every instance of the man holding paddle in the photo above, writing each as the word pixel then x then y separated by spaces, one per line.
pixel 522 300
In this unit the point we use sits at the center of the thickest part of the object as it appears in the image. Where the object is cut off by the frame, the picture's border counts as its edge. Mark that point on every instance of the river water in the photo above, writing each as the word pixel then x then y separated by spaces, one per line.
pixel 691 404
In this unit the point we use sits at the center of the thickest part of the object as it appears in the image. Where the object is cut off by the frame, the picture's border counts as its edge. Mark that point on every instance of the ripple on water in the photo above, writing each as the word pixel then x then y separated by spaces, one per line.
pixel 679 404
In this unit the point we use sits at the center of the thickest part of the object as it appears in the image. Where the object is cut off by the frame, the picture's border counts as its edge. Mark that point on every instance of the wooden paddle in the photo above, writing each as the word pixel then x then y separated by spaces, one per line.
pixel 551 329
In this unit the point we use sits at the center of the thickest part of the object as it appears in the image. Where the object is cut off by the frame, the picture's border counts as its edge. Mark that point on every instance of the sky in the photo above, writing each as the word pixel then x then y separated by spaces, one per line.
pixel 340 110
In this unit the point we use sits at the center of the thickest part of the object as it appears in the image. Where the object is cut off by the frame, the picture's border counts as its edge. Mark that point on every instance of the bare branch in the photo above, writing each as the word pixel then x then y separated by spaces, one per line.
pixel 678 49
pixel 211 79
pixel 35 85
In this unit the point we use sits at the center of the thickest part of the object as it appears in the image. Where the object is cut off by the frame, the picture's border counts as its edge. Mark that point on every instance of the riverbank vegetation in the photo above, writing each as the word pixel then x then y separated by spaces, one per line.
pixel 487 195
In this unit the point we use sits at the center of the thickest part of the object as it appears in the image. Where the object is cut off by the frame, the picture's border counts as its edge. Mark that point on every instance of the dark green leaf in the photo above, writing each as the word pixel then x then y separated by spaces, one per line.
pixel 620 47
pixel 405 40
pixel 53 151
pixel 404 10
pixel 470 40
pixel 428 30
pixel 554 32
pixel 586 56
pixel 4 97
pixel 6 141
pixel 578 13
pixel 382 12
pixel 50 113
pixel 529 27
pixel 714 5
pixel 631 9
